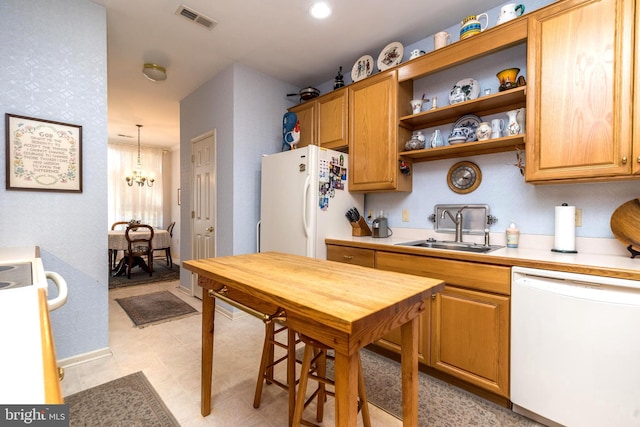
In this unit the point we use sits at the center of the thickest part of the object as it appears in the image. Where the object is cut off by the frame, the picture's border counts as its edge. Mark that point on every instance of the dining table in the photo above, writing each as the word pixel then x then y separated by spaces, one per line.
pixel 118 242
pixel 343 306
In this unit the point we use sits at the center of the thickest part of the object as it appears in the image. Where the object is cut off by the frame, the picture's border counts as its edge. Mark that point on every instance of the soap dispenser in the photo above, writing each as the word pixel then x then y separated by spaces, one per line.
pixel 513 235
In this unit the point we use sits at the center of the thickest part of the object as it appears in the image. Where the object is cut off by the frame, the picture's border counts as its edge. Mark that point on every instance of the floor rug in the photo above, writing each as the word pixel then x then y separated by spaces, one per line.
pixel 161 273
pixel 440 404
pixel 157 307
pixel 126 401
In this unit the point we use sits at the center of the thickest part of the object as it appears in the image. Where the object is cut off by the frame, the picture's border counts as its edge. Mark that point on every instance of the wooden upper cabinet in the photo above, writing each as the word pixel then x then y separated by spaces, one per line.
pixel 324 120
pixel 333 120
pixel 374 133
pixel 636 100
pixel 580 91
pixel 306 113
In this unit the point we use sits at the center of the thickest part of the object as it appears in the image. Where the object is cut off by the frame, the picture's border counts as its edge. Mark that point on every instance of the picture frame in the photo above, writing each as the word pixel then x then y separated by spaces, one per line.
pixel 43 155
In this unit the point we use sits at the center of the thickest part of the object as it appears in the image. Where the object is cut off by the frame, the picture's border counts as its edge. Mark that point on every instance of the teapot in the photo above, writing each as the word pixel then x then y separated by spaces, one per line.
pixel 510 11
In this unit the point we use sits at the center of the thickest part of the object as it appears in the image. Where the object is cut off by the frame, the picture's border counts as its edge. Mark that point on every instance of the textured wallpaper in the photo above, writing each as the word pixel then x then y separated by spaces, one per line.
pixel 54 67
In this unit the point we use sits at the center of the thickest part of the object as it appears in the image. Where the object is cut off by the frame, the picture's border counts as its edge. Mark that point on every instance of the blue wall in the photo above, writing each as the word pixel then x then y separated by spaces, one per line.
pixel 54 67
pixel 502 187
pixel 246 108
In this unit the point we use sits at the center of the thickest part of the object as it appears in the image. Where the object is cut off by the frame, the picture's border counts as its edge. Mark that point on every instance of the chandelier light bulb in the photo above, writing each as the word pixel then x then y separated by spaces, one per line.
pixel 137 175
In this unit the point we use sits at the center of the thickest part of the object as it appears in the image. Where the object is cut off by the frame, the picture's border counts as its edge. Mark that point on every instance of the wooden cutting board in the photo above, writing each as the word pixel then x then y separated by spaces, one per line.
pixel 625 223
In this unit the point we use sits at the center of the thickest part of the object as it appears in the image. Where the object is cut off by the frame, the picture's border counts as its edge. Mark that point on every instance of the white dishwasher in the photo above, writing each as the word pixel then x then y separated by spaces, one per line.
pixel 575 348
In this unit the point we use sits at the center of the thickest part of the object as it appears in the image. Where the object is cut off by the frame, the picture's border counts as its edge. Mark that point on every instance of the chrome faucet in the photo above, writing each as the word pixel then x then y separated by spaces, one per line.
pixel 457 221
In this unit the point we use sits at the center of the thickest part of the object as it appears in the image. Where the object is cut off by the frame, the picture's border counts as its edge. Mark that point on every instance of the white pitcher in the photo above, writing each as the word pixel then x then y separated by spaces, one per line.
pixel 510 11
pixel 512 128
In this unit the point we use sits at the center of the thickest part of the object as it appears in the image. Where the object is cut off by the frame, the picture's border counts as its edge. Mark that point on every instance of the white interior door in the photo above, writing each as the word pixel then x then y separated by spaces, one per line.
pixel 203 202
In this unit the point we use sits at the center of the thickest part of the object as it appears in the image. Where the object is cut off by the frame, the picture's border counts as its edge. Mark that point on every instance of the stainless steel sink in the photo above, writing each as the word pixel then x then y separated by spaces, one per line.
pixel 453 246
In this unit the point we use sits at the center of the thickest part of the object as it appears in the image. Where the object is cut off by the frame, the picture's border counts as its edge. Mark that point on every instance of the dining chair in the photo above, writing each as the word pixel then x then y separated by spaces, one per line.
pixel 113 253
pixel 167 250
pixel 139 245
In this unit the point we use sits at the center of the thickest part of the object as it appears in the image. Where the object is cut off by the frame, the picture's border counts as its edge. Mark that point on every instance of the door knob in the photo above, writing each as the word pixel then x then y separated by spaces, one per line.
pixel 209 229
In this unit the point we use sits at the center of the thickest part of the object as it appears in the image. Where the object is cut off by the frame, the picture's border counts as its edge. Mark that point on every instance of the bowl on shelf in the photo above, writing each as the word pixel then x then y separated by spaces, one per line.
pixel 508 78
pixel 457 140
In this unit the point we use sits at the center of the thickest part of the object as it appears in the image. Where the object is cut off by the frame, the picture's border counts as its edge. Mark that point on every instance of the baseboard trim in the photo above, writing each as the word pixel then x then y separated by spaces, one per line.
pixel 85 357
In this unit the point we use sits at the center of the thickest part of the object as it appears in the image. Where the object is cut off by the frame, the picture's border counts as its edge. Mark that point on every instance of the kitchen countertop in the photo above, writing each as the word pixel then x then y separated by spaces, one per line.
pixel 603 257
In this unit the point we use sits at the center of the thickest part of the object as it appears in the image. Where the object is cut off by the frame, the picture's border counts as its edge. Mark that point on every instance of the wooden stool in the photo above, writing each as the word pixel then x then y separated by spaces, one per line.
pixel 268 363
pixel 314 366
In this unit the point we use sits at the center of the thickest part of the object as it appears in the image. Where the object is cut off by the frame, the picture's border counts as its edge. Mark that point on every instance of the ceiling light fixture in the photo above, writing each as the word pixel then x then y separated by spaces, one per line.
pixel 320 10
pixel 137 175
pixel 154 72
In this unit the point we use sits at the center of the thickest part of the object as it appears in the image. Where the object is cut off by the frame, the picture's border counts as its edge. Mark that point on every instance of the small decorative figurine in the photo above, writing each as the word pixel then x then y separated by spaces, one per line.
pixel 290 131
pixel 338 82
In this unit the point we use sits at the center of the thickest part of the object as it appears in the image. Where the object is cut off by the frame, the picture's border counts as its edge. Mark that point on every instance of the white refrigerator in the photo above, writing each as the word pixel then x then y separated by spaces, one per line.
pixel 304 199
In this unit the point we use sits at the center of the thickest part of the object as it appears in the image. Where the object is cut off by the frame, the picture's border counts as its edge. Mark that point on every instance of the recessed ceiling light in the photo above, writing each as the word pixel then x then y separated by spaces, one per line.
pixel 320 10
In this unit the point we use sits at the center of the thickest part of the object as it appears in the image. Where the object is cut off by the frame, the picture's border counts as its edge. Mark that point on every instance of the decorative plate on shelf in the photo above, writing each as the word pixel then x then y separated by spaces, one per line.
pixel 470 121
pixel 390 56
pixel 464 90
pixel 362 68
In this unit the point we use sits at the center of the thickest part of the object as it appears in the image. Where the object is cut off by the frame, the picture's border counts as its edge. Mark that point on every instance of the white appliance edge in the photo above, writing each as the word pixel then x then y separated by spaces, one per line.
pixel 304 198
pixel 575 348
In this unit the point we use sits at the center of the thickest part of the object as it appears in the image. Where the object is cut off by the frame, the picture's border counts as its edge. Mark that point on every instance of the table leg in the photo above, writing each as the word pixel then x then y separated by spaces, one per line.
pixel 208 318
pixel 291 371
pixel 409 355
pixel 346 379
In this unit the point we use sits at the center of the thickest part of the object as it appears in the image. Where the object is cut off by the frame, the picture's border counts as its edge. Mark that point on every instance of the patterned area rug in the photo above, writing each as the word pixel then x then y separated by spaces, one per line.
pixel 161 273
pixel 127 401
pixel 440 404
pixel 158 307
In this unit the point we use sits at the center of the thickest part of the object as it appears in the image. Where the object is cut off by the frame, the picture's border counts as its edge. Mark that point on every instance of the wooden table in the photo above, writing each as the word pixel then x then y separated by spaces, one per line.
pixel 341 305
pixel 118 242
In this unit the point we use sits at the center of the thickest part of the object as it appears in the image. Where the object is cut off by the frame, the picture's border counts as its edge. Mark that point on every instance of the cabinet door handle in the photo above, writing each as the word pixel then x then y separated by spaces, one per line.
pixel 638 159
pixel 624 160
pixel 347 257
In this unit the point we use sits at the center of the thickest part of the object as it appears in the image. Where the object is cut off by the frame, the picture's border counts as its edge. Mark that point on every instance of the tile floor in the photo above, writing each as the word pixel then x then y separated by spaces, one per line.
pixel 169 356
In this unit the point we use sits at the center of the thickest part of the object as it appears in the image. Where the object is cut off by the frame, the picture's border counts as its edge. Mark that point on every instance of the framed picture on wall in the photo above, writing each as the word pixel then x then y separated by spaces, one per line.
pixel 43 155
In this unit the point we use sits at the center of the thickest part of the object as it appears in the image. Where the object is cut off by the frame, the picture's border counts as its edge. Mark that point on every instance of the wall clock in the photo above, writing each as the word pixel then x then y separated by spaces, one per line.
pixel 464 177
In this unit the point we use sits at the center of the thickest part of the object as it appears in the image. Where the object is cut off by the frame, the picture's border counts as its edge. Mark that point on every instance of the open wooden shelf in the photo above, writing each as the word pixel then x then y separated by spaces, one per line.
pixel 485 105
pixel 498 145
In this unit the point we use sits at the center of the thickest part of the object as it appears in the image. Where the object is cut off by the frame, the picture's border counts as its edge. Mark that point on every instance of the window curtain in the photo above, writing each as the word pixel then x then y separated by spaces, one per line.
pixel 138 203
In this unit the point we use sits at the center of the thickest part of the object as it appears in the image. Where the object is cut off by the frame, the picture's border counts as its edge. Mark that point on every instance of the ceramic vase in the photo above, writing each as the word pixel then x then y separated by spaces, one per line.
pixel 521 117
pixel 512 128
pixel 483 131
pixel 436 139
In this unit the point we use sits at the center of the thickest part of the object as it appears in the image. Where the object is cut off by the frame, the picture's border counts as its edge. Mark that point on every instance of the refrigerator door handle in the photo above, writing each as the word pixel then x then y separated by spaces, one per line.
pixel 305 192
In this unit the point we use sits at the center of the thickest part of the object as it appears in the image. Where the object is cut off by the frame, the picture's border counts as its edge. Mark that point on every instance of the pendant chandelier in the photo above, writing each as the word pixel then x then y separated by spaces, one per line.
pixel 137 176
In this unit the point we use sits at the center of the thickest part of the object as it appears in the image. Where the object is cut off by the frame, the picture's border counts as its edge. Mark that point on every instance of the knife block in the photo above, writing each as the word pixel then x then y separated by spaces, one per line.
pixel 360 228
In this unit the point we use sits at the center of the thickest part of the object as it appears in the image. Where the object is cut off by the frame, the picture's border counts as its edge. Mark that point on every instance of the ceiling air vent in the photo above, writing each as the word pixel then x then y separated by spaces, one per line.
pixel 196 17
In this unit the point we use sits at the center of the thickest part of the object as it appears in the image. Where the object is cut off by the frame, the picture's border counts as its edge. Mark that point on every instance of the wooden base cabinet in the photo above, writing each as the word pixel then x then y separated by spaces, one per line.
pixel 580 92
pixel 392 340
pixel 470 337
pixel 470 320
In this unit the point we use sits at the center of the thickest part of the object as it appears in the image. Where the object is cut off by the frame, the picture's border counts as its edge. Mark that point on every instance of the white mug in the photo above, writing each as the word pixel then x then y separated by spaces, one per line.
pixel 497 126
pixel 441 39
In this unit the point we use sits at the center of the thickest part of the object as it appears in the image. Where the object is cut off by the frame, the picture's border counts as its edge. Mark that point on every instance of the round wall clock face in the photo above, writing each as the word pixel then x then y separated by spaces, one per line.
pixel 464 177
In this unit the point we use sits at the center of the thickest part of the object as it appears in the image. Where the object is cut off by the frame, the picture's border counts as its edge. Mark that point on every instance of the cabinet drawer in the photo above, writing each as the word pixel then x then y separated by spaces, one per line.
pixel 356 256
pixel 490 278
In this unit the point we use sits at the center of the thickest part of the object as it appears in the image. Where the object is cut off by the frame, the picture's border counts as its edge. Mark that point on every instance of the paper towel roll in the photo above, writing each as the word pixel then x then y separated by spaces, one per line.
pixel 565 237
